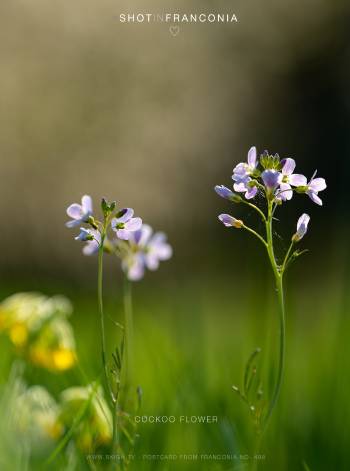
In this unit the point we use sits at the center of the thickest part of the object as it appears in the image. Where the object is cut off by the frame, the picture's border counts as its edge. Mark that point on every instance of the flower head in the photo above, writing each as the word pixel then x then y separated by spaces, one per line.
pixel 92 245
pixel 124 224
pixel 85 234
pixel 302 224
pixel 230 221
pixel 80 213
pixel 289 178
pixel 314 186
pixel 271 179
pixel 242 175
pixel 145 250
pixel 157 250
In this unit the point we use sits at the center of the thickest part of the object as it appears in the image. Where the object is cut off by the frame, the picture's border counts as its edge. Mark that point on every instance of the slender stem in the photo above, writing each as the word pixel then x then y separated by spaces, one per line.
pixel 279 287
pixel 129 331
pixel 251 205
pixel 269 238
pixel 100 305
pixel 277 389
pixel 115 437
pixel 255 233
pixel 128 367
pixel 256 452
pixel 285 261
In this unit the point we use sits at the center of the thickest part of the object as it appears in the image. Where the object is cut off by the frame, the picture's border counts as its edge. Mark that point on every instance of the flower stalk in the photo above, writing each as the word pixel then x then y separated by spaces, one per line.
pixel 275 181
pixel 137 247
pixel 129 333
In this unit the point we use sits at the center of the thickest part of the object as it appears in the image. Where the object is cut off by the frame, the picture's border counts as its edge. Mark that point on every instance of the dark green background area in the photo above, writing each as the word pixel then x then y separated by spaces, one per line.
pixel 132 113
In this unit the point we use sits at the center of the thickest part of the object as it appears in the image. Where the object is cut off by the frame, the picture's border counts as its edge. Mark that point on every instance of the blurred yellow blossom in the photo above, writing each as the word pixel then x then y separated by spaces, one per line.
pixel 95 428
pixel 37 418
pixel 37 326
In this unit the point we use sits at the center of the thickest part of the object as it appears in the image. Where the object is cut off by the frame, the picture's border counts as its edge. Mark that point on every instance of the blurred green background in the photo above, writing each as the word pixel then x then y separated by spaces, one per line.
pixel 129 112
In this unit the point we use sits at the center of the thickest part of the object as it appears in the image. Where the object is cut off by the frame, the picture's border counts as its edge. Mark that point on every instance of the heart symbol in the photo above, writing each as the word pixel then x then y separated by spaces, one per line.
pixel 174 30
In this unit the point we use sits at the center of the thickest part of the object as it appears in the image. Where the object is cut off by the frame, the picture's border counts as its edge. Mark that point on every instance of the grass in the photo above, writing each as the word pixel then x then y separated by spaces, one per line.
pixel 191 344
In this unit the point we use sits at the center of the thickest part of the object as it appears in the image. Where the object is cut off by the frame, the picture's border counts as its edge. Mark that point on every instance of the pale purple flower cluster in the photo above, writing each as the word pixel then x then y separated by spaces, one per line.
pixel 273 178
pixel 124 224
pixel 133 242
pixel 80 213
pixel 276 176
pixel 145 250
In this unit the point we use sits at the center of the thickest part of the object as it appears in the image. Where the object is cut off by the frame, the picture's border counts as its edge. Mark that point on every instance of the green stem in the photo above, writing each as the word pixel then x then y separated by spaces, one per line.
pixel 256 452
pixel 115 437
pixel 269 238
pixel 279 287
pixel 129 332
pixel 286 258
pixel 103 343
pixel 277 389
pixel 255 233
pixel 258 210
pixel 100 305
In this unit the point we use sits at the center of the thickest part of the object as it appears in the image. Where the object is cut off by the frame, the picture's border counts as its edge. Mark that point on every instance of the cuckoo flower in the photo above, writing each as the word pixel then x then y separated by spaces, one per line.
pixel 145 251
pixel 157 249
pixel 80 213
pixel 124 224
pixel 271 179
pixel 314 186
pixel 302 224
pixel 230 221
pixel 92 238
pixel 92 245
pixel 226 193
pixel 241 175
pixel 84 235
pixel 275 179
pixel 289 178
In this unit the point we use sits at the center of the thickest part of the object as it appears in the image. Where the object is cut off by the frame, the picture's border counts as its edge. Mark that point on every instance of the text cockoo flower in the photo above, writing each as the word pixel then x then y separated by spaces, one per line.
pixel 124 224
pixel 80 213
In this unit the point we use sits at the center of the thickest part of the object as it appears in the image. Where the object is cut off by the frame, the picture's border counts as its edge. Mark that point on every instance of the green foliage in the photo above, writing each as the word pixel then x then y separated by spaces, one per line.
pixel 186 355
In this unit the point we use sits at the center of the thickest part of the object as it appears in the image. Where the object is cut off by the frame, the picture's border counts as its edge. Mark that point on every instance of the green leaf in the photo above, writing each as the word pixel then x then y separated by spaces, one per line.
pixel 250 372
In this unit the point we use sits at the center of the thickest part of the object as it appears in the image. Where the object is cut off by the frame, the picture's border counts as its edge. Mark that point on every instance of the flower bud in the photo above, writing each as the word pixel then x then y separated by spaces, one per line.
pixel 230 221
pixel 92 222
pixel 104 206
pixel 226 193
pixel 302 224
pixel 107 207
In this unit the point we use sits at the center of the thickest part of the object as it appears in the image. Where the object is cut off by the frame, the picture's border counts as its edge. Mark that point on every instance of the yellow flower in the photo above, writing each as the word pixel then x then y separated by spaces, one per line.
pixel 37 326
pixel 18 334
pixel 95 429
pixel 36 417
pixel 54 346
